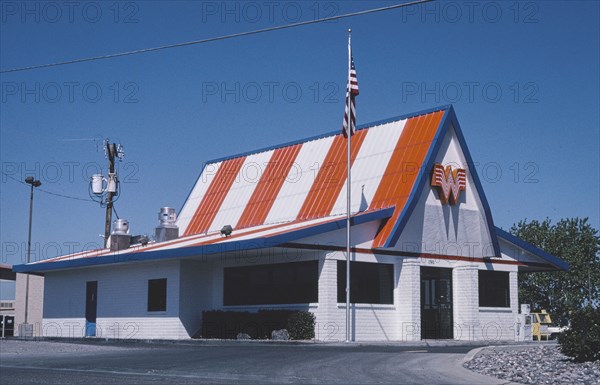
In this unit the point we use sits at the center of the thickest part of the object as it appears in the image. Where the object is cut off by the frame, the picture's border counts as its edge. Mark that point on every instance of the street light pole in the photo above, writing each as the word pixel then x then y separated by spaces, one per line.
pixel 26 328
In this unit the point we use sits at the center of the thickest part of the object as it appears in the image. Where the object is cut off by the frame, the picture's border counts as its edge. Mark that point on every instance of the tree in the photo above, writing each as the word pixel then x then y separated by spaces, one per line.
pixel 562 292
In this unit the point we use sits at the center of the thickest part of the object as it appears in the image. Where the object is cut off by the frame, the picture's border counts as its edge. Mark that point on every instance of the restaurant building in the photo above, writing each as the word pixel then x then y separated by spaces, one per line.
pixel 427 261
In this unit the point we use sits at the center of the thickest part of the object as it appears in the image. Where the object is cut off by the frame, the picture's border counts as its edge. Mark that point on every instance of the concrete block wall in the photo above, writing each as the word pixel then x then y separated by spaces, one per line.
pixel 407 296
pixel 327 328
pixel 35 303
pixel 117 328
pixel 194 286
pixel 122 302
pixel 369 322
pixel 204 280
pixel 499 324
pixel 465 293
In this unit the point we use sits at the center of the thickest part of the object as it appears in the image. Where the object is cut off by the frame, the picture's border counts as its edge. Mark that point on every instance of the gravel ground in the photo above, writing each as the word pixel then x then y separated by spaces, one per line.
pixel 534 365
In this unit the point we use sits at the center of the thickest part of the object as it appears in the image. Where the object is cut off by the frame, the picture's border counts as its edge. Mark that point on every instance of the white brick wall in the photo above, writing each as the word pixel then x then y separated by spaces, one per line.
pixel 194 286
pixel 35 303
pixel 368 322
pixel 407 296
pixel 326 327
pixel 498 324
pixel 122 301
pixel 117 328
pixel 466 301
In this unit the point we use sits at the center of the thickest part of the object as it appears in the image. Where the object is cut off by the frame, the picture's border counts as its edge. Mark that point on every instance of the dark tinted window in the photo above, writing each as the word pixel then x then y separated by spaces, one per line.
pixel 157 294
pixel 494 289
pixel 283 283
pixel 369 282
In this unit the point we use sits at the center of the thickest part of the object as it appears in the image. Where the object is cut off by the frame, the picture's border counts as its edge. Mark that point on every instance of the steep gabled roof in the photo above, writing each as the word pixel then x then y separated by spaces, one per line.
pixel 391 160
pixel 306 179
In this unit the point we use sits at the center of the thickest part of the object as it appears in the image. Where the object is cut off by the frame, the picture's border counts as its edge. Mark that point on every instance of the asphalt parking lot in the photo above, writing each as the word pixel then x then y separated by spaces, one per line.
pixel 94 362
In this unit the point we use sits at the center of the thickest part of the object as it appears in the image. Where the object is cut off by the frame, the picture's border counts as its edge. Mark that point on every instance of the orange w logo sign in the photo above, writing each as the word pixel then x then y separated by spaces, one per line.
pixel 450 182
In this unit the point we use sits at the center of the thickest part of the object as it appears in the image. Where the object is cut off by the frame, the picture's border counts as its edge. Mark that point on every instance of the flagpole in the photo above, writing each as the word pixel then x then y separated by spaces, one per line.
pixel 349 137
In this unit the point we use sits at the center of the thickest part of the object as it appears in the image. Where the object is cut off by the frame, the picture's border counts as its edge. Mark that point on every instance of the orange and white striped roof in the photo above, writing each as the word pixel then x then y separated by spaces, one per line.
pixel 307 180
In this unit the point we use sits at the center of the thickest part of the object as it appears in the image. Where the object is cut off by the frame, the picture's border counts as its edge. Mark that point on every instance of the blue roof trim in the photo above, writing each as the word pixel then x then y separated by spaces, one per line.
pixel 192 251
pixel 555 261
pixel 448 120
pixel 320 136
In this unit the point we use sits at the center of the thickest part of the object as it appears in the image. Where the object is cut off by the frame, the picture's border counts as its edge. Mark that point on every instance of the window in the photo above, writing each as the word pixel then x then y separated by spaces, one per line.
pixel 369 282
pixel 494 289
pixel 157 294
pixel 283 283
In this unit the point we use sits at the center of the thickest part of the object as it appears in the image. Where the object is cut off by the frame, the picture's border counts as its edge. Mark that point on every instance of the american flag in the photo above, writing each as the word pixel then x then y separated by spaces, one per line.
pixel 351 93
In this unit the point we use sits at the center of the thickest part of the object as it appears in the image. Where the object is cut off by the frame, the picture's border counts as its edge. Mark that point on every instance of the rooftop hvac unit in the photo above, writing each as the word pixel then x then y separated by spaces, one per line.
pixel 121 226
pixel 120 238
pixel 167 229
pixel 167 216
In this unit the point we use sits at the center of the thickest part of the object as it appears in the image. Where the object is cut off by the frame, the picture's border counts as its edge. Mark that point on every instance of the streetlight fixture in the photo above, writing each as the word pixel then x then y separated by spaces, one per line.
pixel 26 328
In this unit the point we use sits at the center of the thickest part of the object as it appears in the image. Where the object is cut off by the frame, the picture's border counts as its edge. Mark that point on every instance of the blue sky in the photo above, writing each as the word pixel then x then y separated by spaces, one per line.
pixel 522 76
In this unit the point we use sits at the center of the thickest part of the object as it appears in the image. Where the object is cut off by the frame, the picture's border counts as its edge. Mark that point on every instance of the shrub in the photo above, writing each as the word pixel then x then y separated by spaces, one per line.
pixel 582 340
pixel 301 325
pixel 227 324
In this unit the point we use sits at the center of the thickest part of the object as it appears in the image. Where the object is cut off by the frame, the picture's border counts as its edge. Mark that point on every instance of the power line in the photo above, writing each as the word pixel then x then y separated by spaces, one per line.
pixel 218 38
pixel 65 196
pixel 50 192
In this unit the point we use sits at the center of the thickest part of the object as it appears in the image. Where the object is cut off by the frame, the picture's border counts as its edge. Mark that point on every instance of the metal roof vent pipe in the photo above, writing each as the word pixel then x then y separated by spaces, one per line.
pixel 167 229
pixel 120 238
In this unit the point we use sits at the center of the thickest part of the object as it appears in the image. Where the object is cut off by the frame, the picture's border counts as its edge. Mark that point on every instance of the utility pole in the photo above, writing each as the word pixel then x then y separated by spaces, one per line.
pixel 111 150
pixel 104 189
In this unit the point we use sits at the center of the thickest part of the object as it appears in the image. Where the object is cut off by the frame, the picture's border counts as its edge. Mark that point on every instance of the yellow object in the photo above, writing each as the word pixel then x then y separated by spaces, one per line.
pixel 540 323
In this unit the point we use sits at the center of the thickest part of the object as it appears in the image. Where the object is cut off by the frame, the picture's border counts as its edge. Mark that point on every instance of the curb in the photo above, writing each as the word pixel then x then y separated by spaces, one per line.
pixel 477 345
pixel 227 342
pixel 472 353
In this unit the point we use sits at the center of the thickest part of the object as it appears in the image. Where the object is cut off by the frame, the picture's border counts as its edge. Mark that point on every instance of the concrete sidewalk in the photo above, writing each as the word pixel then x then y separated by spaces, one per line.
pixel 221 342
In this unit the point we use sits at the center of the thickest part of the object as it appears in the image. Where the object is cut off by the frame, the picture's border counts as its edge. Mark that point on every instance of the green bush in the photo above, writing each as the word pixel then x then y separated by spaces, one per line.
pixel 582 340
pixel 227 324
pixel 301 325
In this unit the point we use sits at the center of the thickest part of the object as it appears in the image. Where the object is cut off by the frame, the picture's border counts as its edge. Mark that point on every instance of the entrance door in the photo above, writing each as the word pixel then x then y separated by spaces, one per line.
pixel 8 326
pixel 436 303
pixel 91 303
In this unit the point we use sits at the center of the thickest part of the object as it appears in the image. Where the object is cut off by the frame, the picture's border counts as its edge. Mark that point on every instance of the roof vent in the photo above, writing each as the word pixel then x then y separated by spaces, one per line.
pixel 120 238
pixel 167 229
pixel 121 226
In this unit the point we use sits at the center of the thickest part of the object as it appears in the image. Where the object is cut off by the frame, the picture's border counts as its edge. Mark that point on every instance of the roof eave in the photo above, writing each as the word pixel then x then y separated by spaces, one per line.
pixel 125 256
pixel 551 259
